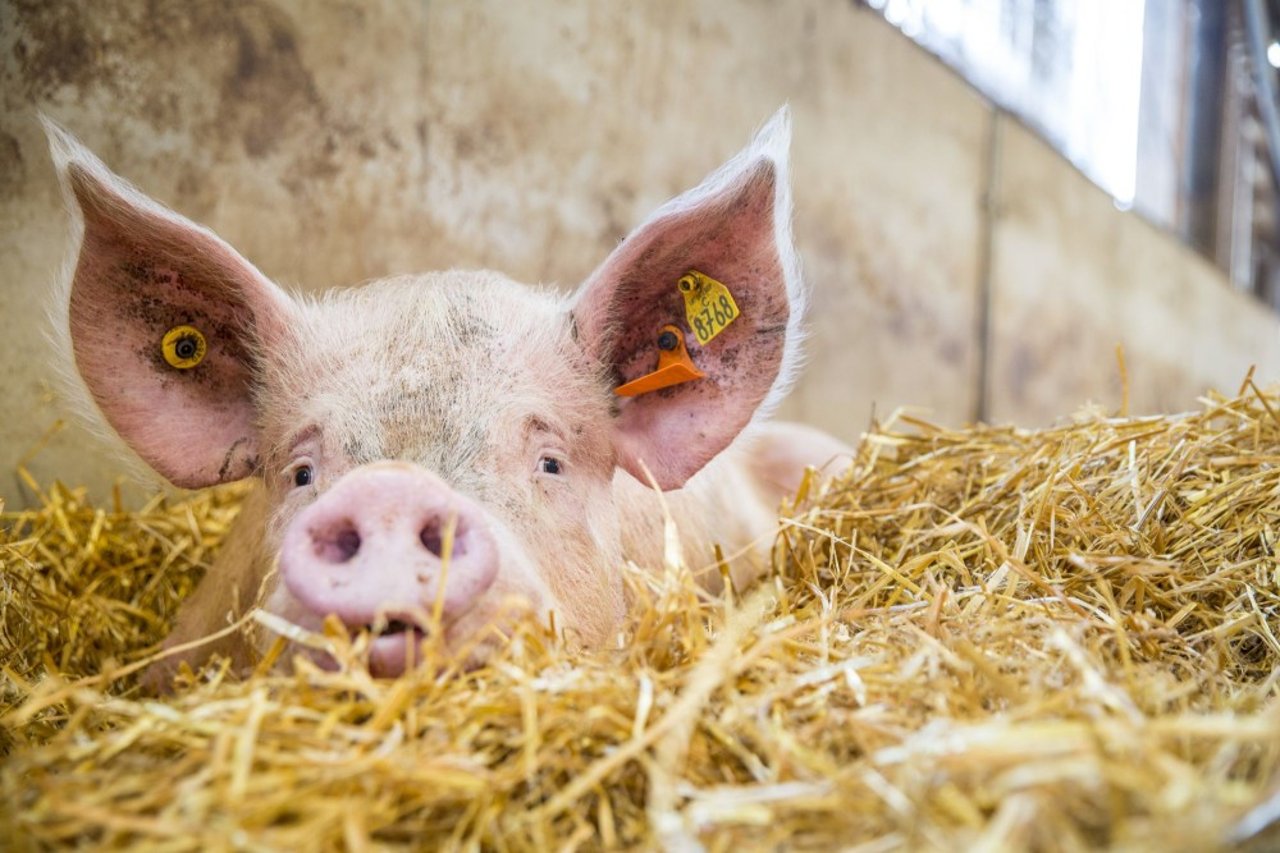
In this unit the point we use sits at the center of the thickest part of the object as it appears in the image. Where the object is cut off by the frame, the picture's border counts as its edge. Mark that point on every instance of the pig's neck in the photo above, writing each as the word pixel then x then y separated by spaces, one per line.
pixel 230 588
pixel 725 504
pixel 733 502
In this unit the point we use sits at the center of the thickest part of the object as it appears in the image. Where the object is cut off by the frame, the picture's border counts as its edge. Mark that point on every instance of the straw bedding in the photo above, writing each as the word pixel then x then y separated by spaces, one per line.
pixel 988 638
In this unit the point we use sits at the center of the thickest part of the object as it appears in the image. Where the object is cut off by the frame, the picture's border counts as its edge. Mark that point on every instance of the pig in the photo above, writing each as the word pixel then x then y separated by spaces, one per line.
pixel 439 455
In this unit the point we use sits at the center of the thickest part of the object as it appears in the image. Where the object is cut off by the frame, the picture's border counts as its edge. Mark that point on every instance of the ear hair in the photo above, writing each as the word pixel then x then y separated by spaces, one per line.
pixel 734 228
pixel 134 270
pixel 65 150
pixel 772 143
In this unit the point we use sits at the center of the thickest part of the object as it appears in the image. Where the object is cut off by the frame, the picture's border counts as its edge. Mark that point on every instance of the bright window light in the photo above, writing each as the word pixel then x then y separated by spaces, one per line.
pixel 1072 68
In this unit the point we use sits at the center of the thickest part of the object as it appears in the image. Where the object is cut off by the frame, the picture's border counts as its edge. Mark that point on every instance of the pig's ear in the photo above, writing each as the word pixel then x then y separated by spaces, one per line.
pixel 166 324
pixel 736 228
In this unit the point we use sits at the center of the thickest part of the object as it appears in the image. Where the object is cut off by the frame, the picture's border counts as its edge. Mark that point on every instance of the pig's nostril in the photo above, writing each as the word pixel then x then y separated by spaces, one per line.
pixel 432 537
pixel 348 543
pixel 337 544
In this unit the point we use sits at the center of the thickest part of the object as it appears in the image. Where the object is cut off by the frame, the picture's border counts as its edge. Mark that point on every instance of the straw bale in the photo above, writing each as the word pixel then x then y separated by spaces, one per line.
pixel 984 638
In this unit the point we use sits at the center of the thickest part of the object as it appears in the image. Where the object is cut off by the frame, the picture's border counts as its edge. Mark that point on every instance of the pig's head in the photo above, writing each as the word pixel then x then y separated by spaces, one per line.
pixel 439 450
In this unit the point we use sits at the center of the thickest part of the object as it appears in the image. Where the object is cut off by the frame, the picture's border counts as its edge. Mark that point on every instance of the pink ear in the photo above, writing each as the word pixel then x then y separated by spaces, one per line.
pixel 143 270
pixel 736 229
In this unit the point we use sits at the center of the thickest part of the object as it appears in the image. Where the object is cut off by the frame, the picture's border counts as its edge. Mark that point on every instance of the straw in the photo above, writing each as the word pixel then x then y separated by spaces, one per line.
pixel 984 638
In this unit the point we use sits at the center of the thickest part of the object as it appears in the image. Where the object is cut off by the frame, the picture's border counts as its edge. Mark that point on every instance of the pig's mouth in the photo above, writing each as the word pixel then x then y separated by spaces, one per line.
pixel 395 626
pixel 395 646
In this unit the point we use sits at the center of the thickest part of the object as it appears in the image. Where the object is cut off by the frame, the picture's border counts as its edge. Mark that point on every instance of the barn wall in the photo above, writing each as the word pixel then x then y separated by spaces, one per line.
pixel 1073 278
pixel 332 141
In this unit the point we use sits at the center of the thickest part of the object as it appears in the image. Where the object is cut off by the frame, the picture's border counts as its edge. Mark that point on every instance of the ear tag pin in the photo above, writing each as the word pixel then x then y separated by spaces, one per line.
pixel 674 366
pixel 183 347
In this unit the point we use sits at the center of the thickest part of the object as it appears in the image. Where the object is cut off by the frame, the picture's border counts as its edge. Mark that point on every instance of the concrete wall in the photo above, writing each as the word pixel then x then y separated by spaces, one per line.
pixel 1073 277
pixel 335 140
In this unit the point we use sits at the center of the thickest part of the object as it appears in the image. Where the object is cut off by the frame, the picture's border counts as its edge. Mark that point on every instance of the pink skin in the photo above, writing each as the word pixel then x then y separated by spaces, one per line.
pixel 371 551
pixel 374 416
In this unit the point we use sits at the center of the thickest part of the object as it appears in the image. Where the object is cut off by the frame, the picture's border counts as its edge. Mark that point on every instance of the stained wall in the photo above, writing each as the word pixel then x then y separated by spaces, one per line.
pixel 1073 278
pixel 332 141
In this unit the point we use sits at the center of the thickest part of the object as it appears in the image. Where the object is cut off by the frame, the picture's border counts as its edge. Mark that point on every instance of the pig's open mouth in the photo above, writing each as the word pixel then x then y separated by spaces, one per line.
pixel 395 648
pixel 396 626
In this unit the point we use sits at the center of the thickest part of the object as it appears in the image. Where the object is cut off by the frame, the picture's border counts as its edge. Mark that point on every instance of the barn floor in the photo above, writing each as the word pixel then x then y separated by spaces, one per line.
pixel 985 639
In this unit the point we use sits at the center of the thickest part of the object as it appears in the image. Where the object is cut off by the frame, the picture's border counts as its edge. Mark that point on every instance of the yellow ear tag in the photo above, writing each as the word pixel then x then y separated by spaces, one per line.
pixel 708 305
pixel 674 366
pixel 184 347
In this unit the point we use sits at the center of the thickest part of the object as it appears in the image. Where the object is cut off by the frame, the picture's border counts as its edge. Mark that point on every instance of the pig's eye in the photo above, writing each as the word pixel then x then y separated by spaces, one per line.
pixel 549 465
pixel 303 476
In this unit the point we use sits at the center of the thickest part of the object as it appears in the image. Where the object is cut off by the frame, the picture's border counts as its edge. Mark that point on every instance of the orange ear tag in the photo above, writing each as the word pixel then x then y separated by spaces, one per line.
pixel 674 366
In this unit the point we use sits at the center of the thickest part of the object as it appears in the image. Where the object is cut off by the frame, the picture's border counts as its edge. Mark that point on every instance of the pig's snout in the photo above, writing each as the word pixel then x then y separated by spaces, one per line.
pixel 372 551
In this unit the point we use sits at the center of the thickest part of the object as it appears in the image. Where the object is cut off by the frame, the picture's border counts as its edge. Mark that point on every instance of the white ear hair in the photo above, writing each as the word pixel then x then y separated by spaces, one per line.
pixel 115 225
pixel 65 150
pixel 734 226
pixel 771 142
